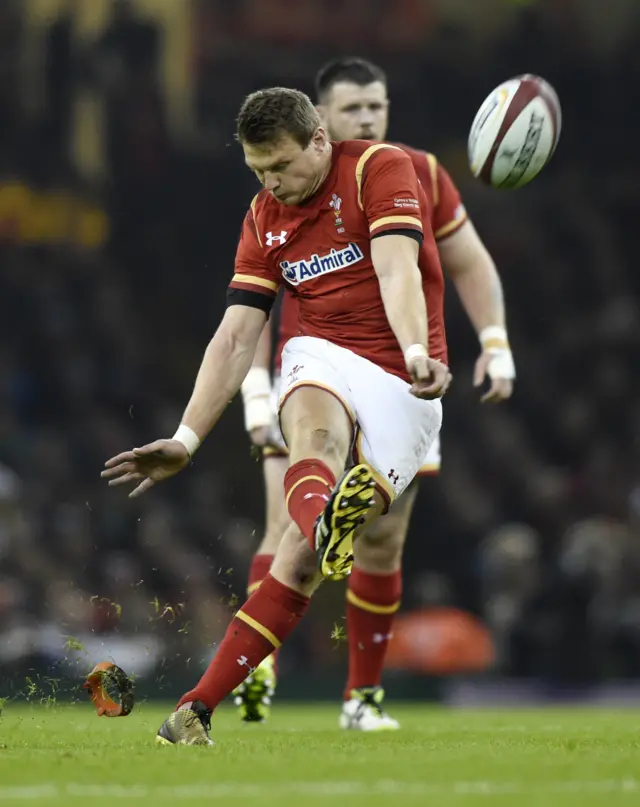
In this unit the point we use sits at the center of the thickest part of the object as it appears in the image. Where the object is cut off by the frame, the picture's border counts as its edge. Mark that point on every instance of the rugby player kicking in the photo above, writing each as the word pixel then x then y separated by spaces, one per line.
pixel 353 103
pixel 361 383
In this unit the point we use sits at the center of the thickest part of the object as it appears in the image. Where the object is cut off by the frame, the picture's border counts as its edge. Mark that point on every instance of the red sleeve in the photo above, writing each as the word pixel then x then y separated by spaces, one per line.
pixel 388 190
pixel 255 282
pixel 449 213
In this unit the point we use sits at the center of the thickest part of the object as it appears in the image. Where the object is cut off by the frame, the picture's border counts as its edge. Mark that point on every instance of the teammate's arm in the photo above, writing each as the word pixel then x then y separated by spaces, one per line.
pixel 473 272
pixel 256 392
pixel 470 266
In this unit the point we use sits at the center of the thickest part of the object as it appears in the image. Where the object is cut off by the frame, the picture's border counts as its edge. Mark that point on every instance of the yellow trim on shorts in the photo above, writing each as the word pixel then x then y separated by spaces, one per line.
pixel 377 476
pixel 306 479
pixel 364 157
pixel 370 606
pixel 252 623
pixel 430 468
pixel 395 220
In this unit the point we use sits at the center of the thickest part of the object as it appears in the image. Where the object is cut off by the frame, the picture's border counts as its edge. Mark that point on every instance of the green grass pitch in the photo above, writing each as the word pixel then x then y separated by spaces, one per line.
pixel 548 757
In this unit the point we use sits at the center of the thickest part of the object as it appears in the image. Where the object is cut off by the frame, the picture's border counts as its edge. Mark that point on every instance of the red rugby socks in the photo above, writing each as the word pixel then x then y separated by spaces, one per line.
pixel 259 628
pixel 372 603
pixel 307 487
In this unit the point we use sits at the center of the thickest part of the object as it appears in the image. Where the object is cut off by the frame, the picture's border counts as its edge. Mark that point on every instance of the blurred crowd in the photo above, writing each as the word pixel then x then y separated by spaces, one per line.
pixel 111 289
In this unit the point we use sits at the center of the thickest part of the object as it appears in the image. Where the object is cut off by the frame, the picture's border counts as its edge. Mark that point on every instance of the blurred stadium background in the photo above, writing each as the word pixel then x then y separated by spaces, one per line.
pixel 121 195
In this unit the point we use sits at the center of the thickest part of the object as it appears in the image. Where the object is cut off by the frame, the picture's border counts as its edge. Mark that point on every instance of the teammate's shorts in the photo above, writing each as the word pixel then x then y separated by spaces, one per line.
pixel 276 446
pixel 393 430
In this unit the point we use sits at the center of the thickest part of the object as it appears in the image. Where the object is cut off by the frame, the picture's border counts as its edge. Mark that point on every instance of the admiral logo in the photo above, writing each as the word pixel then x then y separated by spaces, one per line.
pixel 296 272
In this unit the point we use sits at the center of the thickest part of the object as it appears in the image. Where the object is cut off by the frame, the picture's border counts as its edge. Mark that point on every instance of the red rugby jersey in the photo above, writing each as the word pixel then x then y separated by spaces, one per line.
pixel 320 251
pixel 447 216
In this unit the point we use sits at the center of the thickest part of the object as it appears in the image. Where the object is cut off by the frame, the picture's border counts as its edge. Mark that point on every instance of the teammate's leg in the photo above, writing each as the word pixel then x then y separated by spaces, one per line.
pixel 373 597
pixel 277 519
pixel 253 695
pixel 319 433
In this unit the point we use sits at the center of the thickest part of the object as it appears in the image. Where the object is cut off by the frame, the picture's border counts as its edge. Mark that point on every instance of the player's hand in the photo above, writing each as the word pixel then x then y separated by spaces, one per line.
pixel 147 465
pixel 498 366
pixel 431 378
pixel 261 436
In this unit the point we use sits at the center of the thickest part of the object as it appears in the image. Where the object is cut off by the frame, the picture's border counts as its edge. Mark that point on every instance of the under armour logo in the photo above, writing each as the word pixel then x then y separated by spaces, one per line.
pixel 276 239
pixel 243 661
pixel 393 476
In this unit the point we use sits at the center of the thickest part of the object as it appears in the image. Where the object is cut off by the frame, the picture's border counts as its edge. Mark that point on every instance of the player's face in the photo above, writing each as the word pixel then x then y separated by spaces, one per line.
pixel 352 112
pixel 288 171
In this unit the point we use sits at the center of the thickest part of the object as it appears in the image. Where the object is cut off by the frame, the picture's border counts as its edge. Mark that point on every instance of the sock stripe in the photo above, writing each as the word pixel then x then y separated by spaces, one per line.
pixel 253 586
pixel 306 479
pixel 372 607
pixel 252 623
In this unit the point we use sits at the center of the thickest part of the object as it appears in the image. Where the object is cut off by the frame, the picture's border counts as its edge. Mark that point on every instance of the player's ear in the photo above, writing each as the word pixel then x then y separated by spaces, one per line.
pixel 320 138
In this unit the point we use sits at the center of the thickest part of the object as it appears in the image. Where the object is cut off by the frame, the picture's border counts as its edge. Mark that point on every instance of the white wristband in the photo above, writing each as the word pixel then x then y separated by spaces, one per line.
pixel 494 340
pixel 256 395
pixel 494 336
pixel 188 438
pixel 414 352
pixel 257 384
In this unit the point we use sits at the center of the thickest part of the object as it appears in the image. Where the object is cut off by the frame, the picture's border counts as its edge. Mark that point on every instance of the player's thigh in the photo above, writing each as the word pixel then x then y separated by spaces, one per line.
pixel 396 429
pixel 316 415
pixel 274 470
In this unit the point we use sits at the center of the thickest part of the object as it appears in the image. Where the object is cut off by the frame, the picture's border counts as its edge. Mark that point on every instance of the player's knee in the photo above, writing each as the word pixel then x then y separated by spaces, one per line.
pixel 295 563
pixel 324 443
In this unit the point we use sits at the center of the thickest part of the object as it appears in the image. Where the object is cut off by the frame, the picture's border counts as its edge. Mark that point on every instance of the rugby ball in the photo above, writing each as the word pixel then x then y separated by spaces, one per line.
pixel 515 132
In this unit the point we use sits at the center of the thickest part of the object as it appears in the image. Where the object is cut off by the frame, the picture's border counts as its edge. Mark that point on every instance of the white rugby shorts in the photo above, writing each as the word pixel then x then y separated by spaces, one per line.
pixel 395 432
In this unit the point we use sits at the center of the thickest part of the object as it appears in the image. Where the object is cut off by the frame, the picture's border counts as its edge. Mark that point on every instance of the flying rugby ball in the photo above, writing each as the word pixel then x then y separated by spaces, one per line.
pixel 515 132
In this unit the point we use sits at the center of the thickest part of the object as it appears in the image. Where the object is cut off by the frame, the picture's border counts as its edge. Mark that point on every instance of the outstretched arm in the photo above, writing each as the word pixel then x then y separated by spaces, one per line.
pixel 224 366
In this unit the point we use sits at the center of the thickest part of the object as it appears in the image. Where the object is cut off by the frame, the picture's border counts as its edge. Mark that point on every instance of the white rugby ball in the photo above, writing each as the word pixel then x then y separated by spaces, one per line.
pixel 515 132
